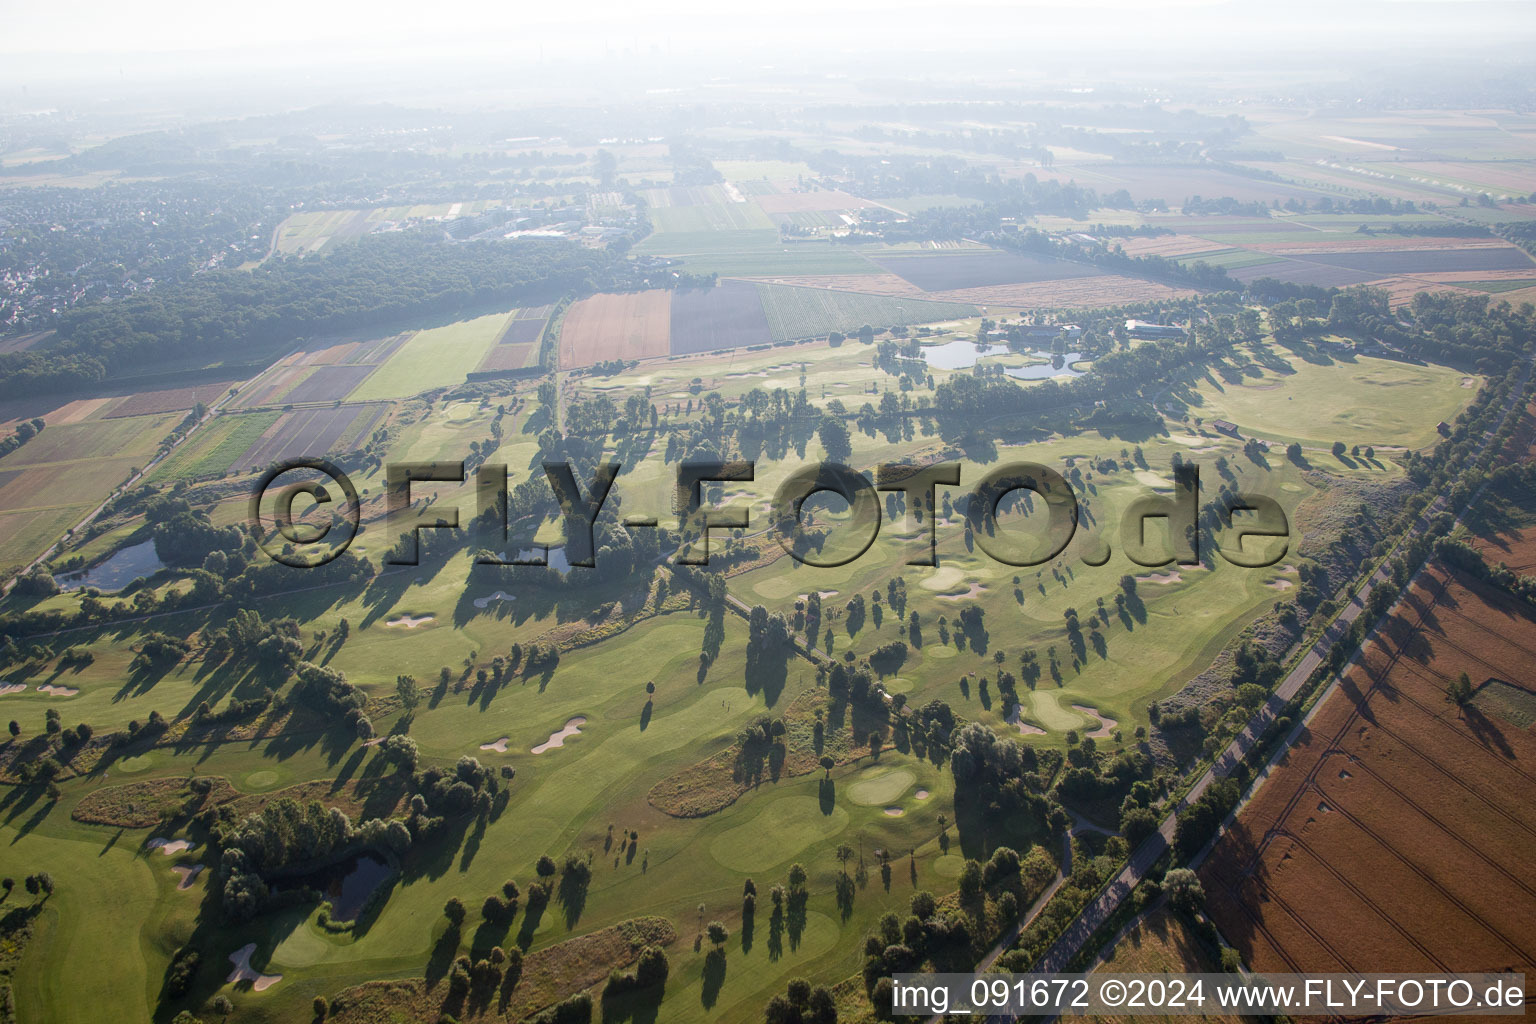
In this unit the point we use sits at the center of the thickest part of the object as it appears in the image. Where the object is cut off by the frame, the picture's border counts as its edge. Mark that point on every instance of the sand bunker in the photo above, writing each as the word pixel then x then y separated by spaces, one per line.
pixel 1106 725
pixel 170 847
pixel 1172 576
pixel 410 622
pixel 921 794
pixel 243 971
pixel 12 688
pixel 972 591
pixel 500 595
pixel 1279 584
pixel 894 812
pixel 500 746
pixel 57 691
pixel 188 873
pixel 557 739
pixel 1016 720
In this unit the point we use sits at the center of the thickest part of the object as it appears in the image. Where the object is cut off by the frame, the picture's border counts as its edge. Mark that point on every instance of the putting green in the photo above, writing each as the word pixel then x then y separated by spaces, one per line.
pixel 949 865
pixel 777 834
pixel 880 786
pixel 130 765
pixel 266 778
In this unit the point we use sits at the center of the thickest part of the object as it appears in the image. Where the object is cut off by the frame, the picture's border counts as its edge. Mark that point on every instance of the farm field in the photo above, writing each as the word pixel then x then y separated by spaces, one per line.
pixel 432 358
pixel 635 325
pixel 517 347
pixel 310 432
pixel 1394 832
pixel 795 313
pixel 727 316
pixel 57 477
pixel 953 271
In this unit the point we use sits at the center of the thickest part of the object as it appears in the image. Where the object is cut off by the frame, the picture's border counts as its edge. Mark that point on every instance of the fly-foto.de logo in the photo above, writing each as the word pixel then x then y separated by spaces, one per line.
pixel 1051 513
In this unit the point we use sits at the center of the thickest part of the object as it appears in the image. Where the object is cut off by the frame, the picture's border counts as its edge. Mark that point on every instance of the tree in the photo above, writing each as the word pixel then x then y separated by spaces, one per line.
pixel 827 763
pixel 1459 690
pixel 1339 449
pixel 833 434
pixel 408 692
pixel 15 728
pixel 222 1006
pixel 453 910
pixel 1293 451
pixel 321 1007
pixel 717 933
pixel 652 968
pixel 970 881
pixel 1184 890
pixel 545 866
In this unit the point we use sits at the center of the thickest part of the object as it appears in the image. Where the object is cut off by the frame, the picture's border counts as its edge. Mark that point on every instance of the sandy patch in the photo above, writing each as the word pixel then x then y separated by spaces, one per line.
pixel 894 812
pixel 1106 725
pixel 824 594
pixel 1279 584
pixel 921 794
pixel 171 847
pixel 1172 576
pixel 500 746
pixel 188 873
pixel 1468 382
pixel 410 621
pixel 972 591
pixel 557 739
pixel 1150 479
pixel 57 691
pixel 12 688
pixel 1016 720
pixel 500 595
pixel 243 971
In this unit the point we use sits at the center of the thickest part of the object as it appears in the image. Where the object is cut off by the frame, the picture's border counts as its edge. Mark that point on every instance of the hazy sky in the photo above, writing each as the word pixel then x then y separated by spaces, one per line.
pixel 372 26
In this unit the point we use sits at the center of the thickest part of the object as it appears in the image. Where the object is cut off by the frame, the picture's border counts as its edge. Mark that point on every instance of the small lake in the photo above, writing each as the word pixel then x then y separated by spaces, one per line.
pixel 125 566
pixel 555 557
pixel 347 885
pixel 961 355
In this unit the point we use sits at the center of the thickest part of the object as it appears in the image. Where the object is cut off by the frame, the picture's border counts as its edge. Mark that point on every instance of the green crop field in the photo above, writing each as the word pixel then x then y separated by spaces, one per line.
pixel 215 447
pixel 433 358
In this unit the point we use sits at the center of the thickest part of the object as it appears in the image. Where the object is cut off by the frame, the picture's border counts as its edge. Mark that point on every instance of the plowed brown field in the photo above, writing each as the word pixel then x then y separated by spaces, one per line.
pixel 1397 833
pixel 632 326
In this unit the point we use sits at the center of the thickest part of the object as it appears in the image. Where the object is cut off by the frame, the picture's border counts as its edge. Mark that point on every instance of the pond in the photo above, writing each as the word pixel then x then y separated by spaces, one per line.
pixel 961 355
pixel 126 565
pixel 347 885
pixel 555 557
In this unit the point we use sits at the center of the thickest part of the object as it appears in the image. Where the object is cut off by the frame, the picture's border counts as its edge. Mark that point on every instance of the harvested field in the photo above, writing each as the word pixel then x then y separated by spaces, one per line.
pixel 1298 271
pixel 1395 836
pixel 309 432
pixel 795 313
pixel 1428 261
pixel 603 327
pixel 963 269
pixel 518 346
pixel 867 284
pixel 169 400
pixel 1081 293
pixel 1168 245
pixel 708 319
pixel 820 201
pixel 327 384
